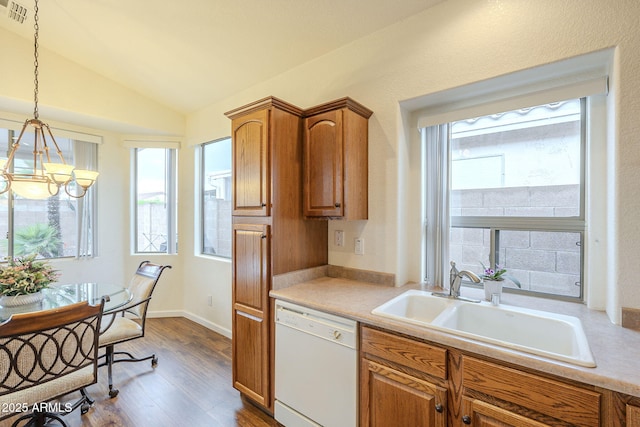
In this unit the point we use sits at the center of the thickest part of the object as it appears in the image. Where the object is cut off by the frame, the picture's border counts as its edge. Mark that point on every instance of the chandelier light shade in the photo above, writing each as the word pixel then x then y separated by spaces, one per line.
pixel 46 177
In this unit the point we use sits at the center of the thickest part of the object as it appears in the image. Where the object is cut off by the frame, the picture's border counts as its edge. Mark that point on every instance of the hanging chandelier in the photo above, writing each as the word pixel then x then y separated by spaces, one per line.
pixel 45 178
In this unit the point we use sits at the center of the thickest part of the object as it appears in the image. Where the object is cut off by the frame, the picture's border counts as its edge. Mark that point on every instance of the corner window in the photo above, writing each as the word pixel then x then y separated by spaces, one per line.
pixel 155 200
pixel 56 227
pixel 215 198
pixel 516 196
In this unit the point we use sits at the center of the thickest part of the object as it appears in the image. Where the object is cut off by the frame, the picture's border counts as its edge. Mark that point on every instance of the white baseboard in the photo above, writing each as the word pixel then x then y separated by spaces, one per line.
pixel 199 320
pixel 167 313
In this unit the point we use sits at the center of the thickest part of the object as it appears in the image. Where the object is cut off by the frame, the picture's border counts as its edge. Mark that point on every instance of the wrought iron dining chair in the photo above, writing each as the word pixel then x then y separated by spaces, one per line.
pixel 128 323
pixel 45 355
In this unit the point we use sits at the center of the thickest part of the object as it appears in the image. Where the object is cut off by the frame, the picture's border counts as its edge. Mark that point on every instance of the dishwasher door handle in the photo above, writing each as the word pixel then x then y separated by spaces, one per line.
pixel 322 325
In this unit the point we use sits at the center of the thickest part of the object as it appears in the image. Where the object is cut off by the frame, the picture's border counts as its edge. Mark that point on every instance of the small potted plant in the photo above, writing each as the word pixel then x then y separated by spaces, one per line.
pixel 23 279
pixel 493 279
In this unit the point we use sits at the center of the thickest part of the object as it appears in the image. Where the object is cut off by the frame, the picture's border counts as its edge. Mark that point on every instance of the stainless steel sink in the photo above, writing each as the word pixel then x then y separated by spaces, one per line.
pixel 552 335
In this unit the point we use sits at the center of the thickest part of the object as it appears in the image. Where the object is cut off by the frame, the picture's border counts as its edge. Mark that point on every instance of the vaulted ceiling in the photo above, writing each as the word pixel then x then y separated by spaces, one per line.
pixel 187 54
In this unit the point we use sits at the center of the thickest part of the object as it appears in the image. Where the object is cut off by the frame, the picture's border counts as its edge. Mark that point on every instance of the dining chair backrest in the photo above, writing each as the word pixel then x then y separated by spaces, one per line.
pixel 142 285
pixel 49 353
pixel 128 322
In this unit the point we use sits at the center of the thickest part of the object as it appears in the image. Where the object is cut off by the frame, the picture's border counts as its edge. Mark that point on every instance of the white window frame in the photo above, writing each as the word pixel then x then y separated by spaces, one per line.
pixel 200 203
pixel 435 242
pixel 171 163
pixel 575 224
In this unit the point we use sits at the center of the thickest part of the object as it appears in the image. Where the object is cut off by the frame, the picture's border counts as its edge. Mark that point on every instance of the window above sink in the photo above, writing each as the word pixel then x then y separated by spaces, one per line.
pixel 513 189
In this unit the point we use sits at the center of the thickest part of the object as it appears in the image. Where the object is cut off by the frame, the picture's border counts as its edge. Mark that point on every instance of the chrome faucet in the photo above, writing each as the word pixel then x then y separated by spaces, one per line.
pixel 455 279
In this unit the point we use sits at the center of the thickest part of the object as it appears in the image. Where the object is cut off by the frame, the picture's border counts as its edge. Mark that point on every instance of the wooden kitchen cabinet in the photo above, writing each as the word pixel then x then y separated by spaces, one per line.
pixel 425 385
pixel 250 346
pixel 393 390
pixel 503 396
pixel 396 398
pixel 336 160
pixel 481 414
pixel 251 166
pixel 633 416
pixel 620 410
pixel 270 234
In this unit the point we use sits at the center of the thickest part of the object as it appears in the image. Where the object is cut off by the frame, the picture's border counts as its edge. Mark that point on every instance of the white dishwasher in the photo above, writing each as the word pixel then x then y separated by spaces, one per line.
pixel 315 368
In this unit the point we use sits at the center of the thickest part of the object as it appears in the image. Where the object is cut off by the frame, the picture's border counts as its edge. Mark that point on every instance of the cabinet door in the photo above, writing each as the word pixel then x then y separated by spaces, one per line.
pixel 532 392
pixel 251 164
pixel 323 165
pixel 250 265
pixel 251 356
pixel 633 416
pixel 477 413
pixel 250 346
pixel 392 398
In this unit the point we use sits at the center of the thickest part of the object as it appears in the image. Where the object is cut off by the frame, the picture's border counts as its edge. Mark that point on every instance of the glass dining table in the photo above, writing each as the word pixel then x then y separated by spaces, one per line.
pixel 60 295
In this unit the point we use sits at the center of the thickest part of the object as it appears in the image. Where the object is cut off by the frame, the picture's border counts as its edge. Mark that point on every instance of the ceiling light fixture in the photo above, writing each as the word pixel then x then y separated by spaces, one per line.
pixel 45 178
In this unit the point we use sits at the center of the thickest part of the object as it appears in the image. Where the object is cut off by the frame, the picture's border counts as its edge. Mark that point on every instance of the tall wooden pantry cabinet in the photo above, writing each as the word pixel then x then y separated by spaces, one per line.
pixel 270 234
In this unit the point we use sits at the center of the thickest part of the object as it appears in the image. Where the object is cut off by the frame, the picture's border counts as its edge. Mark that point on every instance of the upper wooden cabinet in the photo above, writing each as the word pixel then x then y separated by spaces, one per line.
pixel 251 177
pixel 266 156
pixel 335 165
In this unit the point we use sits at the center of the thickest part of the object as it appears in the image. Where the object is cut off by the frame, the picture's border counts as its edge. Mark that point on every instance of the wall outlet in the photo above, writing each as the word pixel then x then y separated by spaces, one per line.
pixel 338 238
pixel 210 300
pixel 359 246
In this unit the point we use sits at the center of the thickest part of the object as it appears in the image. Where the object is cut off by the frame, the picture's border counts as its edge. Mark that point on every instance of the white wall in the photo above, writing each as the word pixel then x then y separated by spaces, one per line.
pixel 86 102
pixel 460 42
pixel 71 94
pixel 456 43
pixel 204 276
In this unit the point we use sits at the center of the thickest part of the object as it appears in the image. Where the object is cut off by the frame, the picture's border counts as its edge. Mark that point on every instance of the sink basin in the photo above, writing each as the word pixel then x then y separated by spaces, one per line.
pixel 552 335
pixel 547 334
pixel 414 306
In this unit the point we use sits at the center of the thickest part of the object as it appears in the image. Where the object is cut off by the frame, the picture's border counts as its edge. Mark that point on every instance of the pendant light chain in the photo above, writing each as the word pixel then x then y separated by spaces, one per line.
pixel 36 27
pixel 46 177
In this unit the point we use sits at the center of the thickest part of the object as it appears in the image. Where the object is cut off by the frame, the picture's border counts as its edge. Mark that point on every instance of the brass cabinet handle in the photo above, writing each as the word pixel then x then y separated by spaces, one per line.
pixel 439 408
pixel 337 205
pixel 466 419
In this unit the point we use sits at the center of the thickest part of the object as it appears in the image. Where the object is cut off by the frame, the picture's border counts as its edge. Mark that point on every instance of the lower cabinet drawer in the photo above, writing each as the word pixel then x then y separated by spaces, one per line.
pixel 413 354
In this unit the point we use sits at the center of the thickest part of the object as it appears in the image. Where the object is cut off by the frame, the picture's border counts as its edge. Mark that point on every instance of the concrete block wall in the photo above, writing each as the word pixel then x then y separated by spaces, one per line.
pixel 542 261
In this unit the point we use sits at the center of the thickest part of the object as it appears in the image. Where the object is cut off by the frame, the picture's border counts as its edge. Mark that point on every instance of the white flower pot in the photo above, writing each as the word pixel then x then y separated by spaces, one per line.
pixel 492 287
pixel 16 300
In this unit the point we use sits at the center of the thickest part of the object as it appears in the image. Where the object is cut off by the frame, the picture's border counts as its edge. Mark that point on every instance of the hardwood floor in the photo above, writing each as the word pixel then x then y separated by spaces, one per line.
pixel 191 386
